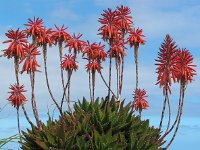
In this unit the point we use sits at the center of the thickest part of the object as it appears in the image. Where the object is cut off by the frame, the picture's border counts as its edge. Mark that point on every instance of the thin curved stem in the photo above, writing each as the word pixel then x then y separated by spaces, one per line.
pixel 16 64
pixel 122 69
pixel 163 112
pixel 117 70
pixel 26 115
pixel 179 120
pixel 169 115
pixel 120 79
pixel 107 84
pixel 136 63
pixel 177 117
pixel 61 72
pixel 3 107
pixel 90 86
pixel 68 96
pixel 110 70
pixel 140 113
pixel 18 123
pixel 66 85
pixel 110 76
pixel 33 102
pixel 47 80
pixel 93 85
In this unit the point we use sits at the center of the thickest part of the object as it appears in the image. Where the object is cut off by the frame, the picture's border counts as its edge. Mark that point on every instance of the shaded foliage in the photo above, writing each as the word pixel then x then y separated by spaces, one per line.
pixel 100 125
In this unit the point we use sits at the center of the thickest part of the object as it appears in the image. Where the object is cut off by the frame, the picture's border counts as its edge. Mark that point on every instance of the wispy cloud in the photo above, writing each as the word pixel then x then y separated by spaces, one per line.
pixel 157 18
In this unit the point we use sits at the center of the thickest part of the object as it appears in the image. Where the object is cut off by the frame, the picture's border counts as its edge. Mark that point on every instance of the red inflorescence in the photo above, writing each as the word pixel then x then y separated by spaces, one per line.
pixel 99 53
pixel 93 66
pixel 75 43
pixel 184 67
pixel 123 18
pixel 116 50
pixel 135 37
pixel 69 63
pixel 30 63
pixel 45 37
pixel 140 101
pixel 16 97
pixel 95 51
pixel 35 27
pixel 109 29
pixel 60 34
pixel 166 64
pixel 17 41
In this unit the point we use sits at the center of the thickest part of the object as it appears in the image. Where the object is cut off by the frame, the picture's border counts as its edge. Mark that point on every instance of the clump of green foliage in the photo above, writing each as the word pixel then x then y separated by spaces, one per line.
pixel 102 125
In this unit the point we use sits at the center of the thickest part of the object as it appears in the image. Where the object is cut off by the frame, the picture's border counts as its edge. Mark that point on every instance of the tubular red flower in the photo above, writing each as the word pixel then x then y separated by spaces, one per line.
pixel 16 97
pixel 17 41
pixel 75 43
pixel 93 66
pixel 60 34
pixel 166 64
pixel 140 101
pixel 88 51
pixel 184 66
pixel 69 63
pixel 35 27
pixel 95 51
pixel 99 52
pixel 116 50
pixel 30 63
pixel 108 30
pixel 135 37
pixel 123 18
pixel 45 37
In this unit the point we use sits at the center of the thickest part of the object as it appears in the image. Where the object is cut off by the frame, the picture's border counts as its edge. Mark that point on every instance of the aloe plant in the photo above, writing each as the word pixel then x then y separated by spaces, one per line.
pixel 104 124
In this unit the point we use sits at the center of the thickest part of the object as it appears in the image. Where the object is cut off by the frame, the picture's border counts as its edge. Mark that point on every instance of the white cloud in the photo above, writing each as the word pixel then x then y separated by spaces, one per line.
pixel 157 18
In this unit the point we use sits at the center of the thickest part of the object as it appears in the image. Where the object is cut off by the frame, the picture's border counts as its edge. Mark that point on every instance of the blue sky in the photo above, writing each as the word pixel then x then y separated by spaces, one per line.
pixel 179 18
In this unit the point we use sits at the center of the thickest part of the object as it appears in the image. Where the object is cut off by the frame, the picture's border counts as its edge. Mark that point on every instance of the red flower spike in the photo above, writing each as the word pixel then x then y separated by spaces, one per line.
pixel 35 27
pixel 184 67
pixel 45 37
pixel 95 51
pixel 69 63
pixel 116 50
pixel 140 101
pixel 88 50
pixel 166 64
pixel 30 63
pixel 99 52
pixel 75 43
pixel 16 97
pixel 17 41
pixel 93 66
pixel 60 34
pixel 135 37
pixel 123 18
pixel 108 30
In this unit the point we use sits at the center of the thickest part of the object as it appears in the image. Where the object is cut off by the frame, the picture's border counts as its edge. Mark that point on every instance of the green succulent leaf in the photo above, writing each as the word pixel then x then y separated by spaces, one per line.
pixel 102 125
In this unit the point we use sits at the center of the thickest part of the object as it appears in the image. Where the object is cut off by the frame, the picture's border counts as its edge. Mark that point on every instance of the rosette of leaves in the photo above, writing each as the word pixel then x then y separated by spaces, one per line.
pixel 102 125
